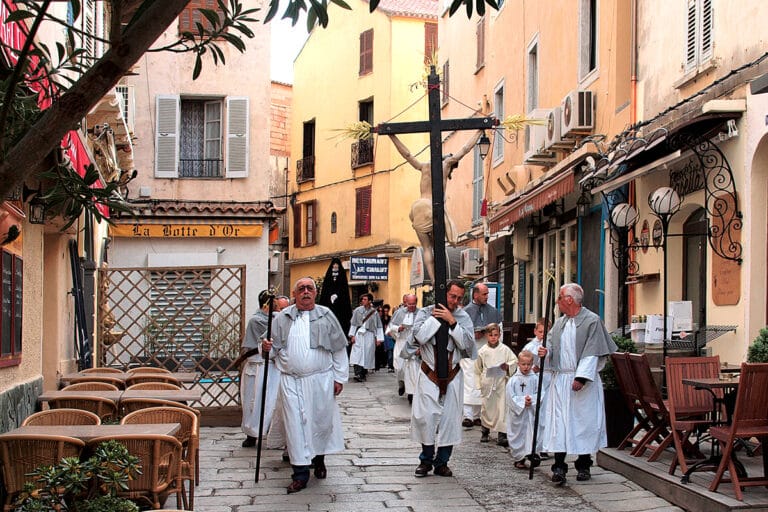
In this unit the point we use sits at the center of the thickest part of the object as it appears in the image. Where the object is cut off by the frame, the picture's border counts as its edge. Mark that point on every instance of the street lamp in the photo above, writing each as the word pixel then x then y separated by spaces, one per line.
pixel 623 217
pixel 484 144
pixel 664 203
pixel 583 204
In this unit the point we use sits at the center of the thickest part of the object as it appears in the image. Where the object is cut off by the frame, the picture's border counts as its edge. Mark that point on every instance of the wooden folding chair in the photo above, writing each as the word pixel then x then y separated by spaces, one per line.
pixel 21 454
pixel 690 409
pixel 631 394
pixel 750 419
pixel 160 460
pixel 52 417
pixel 654 407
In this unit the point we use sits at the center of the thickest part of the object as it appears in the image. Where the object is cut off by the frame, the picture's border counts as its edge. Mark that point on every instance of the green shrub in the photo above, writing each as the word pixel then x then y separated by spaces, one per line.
pixel 758 350
pixel 608 374
pixel 83 486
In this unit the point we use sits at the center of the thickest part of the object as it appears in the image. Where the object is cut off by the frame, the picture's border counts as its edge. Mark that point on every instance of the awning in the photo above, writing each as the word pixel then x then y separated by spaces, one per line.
pixel 558 187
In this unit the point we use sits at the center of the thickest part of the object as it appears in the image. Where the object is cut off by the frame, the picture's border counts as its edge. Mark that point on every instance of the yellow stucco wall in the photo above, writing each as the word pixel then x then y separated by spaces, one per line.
pixel 328 89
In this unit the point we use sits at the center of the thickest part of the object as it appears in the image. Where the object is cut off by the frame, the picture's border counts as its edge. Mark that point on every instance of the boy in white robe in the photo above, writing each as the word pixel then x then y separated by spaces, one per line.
pixel 494 364
pixel 521 409
pixel 533 347
pixel 365 333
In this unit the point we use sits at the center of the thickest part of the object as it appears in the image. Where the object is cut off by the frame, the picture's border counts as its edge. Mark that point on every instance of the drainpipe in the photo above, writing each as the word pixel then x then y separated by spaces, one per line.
pixel 632 120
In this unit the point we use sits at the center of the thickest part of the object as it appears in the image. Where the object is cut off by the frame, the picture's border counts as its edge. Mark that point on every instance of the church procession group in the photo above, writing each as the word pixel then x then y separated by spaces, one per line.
pixel 310 348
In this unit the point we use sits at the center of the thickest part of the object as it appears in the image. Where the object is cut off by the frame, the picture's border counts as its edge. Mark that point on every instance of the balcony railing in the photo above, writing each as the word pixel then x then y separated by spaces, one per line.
pixel 200 168
pixel 305 169
pixel 362 153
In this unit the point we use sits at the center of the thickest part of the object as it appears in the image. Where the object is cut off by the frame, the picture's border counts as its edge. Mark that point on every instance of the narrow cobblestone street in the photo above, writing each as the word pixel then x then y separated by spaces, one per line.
pixel 375 472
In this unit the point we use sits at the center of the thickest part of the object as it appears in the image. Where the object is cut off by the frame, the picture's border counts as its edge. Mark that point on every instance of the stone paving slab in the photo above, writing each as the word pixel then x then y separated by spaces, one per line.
pixel 375 472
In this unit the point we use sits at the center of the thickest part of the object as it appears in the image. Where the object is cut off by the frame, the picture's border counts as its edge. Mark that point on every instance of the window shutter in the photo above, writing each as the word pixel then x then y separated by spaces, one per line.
pixel 310 227
pixel 366 52
pixel 430 43
pixel 297 225
pixel 237 137
pixel 446 82
pixel 363 211
pixel 167 136
pixel 690 47
pixel 480 43
pixel 706 30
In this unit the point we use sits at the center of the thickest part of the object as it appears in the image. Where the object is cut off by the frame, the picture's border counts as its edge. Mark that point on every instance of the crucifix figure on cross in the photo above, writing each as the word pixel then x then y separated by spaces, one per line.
pixel 421 209
pixel 435 179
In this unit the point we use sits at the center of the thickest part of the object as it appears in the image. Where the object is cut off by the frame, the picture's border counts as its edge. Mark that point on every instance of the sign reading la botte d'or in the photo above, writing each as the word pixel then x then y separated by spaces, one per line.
pixel 187 230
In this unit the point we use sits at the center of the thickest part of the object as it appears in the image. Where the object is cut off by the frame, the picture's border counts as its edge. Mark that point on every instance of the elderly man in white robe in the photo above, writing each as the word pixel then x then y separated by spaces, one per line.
pixel 401 328
pixel 365 333
pixel 309 348
pixel 252 378
pixel 436 418
pixel 575 410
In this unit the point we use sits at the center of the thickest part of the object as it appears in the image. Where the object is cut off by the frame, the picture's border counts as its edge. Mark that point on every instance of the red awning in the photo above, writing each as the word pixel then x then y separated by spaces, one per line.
pixel 558 187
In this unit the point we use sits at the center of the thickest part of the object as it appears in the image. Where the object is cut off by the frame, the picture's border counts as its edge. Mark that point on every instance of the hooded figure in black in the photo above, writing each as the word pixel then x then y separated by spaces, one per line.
pixel 334 293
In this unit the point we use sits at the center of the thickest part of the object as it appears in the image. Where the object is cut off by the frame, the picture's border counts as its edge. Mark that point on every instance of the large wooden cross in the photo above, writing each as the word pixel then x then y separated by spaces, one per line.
pixel 435 126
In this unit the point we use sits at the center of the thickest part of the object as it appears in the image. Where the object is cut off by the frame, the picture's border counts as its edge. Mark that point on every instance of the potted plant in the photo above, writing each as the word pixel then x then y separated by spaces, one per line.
pixel 758 350
pixel 619 420
pixel 83 486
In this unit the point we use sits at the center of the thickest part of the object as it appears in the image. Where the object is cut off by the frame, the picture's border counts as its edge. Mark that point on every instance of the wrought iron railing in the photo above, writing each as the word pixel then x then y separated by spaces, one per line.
pixel 200 168
pixel 362 153
pixel 305 169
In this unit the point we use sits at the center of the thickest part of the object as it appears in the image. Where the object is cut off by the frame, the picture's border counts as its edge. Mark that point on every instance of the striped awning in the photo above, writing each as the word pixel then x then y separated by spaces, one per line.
pixel 558 187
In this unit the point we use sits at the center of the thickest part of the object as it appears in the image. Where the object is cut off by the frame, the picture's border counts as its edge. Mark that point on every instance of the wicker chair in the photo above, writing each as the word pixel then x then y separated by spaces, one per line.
pixel 129 405
pixel 21 454
pixel 148 369
pixel 103 407
pixel 53 417
pixel 188 436
pixel 101 369
pixel 118 383
pixel 154 385
pixel 90 386
pixel 139 378
pixel 160 460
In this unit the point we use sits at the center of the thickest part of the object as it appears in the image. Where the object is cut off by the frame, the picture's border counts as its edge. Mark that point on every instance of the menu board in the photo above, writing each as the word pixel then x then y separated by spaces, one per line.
pixel 6 287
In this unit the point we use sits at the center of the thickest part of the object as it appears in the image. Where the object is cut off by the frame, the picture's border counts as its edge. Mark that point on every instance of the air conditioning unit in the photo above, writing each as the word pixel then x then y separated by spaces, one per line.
pixel 577 113
pixel 471 262
pixel 553 140
pixel 535 140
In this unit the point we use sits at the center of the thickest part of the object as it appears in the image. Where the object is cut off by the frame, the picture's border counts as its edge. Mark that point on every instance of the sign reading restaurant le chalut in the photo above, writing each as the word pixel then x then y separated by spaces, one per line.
pixel 187 230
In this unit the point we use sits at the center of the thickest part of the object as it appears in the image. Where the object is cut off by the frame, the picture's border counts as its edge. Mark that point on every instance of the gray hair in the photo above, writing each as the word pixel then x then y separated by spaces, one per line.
pixel 296 284
pixel 574 291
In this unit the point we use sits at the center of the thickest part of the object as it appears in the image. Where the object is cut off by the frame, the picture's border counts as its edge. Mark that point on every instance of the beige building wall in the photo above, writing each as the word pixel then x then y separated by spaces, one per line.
pixel 327 90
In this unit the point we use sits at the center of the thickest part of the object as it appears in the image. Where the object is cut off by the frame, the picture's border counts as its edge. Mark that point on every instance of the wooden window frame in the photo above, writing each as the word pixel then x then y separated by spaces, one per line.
pixel 190 15
pixel 310 223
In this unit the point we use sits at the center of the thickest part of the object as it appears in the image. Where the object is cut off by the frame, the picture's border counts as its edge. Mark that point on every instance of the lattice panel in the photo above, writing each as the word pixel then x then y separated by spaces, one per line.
pixel 182 319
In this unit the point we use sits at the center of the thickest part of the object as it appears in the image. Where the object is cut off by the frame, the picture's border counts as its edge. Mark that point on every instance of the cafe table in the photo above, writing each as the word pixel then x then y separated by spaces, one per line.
pixel 729 384
pixel 180 395
pixel 89 432
pixel 109 395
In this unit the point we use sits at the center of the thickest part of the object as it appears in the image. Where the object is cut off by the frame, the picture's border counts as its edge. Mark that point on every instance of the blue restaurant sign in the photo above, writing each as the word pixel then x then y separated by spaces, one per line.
pixel 368 269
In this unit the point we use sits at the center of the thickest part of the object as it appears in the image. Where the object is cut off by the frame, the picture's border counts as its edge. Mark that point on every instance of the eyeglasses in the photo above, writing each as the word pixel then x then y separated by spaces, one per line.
pixel 305 288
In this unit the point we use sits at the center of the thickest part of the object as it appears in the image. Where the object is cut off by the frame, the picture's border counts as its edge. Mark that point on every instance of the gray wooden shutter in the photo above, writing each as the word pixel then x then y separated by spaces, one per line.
pixel 237 137
pixel 167 113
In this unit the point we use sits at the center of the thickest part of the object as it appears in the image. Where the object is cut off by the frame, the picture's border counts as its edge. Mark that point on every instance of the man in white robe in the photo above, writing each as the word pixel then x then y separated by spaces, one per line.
pixel 436 419
pixel 481 314
pixel 401 328
pixel 575 408
pixel 252 378
pixel 309 348
pixel 365 333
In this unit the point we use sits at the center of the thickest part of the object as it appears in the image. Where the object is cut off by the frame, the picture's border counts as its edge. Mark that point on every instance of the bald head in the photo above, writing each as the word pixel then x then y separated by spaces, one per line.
pixel 480 294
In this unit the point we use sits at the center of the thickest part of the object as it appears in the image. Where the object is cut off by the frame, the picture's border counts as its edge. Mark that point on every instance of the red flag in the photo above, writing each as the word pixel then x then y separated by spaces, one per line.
pixel 484 208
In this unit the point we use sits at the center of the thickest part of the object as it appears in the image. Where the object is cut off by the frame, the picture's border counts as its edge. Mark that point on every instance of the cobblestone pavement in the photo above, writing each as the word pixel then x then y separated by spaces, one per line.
pixel 375 472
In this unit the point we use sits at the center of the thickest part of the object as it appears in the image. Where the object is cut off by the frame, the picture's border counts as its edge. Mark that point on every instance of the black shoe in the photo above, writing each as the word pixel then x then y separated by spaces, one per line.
pixel 285 457
pixel 391 370
pixel 400 388
pixel 477 422
pixel 558 476
pixel 467 423
pixel 249 442
pixel 535 460
pixel 443 471
pixel 502 441
pixel 484 438
pixel 320 470
pixel 358 378
pixel 410 399
pixel 296 486
pixel 583 475
pixel 423 469
pixel 544 456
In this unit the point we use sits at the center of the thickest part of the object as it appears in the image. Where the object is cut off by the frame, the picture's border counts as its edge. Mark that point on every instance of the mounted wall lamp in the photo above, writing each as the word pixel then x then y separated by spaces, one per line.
pixel 484 144
pixel 583 204
pixel 15 193
pixel 533 226
pixel 37 204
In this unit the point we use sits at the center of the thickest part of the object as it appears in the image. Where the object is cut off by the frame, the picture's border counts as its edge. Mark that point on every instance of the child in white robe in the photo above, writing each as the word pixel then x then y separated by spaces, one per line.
pixel 494 364
pixel 521 409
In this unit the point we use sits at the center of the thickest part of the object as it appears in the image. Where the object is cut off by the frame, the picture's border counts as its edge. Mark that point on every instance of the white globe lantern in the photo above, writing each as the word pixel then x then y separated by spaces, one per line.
pixel 664 201
pixel 624 215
